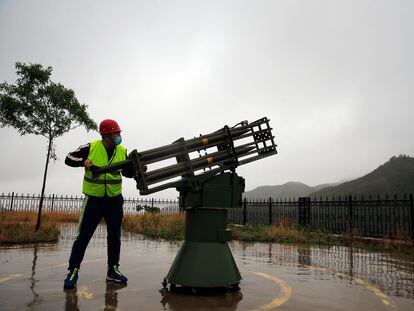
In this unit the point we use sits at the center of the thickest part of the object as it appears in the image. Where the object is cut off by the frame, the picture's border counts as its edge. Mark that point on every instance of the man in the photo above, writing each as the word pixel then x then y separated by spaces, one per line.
pixel 103 198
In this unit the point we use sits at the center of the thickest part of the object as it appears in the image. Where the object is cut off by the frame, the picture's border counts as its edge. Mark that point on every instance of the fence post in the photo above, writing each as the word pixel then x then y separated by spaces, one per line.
pixel 412 216
pixel 53 200
pixel 304 211
pixel 244 211
pixel 152 202
pixel 270 211
pixel 350 217
pixel 11 203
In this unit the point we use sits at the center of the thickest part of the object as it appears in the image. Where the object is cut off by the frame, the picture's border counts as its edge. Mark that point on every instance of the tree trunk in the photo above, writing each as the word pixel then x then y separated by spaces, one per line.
pixel 39 213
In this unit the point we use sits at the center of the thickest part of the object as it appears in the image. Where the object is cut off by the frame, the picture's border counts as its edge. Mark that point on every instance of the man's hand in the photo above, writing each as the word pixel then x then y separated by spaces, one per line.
pixel 87 164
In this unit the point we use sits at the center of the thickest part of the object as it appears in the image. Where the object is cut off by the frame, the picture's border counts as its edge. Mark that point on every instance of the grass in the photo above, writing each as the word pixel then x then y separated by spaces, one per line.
pixel 57 217
pixel 282 233
pixel 12 233
pixel 402 243
pixel 169 227
pixel 17 227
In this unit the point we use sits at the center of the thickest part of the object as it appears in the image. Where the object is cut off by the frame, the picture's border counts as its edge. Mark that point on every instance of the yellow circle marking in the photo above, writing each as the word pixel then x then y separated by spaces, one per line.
pixel 371 287
pixel 210 160
pixel 15 276
pixel 205 141
pixel 285 292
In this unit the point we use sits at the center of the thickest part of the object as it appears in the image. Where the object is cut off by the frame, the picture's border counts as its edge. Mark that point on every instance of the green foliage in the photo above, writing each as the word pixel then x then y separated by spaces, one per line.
pixel 36 105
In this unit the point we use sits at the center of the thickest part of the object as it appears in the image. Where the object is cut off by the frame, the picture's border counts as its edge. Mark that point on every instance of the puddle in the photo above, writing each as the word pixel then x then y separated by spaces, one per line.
pixel 275 276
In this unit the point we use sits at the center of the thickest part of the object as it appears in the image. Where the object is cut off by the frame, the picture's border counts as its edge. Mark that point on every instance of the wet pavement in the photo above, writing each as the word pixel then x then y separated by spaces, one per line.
pixel 275 276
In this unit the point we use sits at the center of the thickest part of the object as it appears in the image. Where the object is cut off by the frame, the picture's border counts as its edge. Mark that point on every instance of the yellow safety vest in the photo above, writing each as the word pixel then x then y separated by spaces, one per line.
pixel 109 184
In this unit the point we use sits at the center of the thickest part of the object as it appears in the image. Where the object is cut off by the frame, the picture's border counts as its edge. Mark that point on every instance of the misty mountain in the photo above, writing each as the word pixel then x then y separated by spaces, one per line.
pixel 288 190
pixel 393 177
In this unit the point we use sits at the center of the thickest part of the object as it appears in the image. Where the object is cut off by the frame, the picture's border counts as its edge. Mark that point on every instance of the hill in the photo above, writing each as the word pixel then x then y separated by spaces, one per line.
pixel 288 190
pixel 393 177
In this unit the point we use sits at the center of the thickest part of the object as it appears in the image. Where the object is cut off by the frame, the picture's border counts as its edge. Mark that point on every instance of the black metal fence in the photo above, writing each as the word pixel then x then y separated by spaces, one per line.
pixel 73 204
pixel 374 217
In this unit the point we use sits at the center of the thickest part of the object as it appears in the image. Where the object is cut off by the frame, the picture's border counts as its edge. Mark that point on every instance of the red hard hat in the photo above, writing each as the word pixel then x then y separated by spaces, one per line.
pixel 108 126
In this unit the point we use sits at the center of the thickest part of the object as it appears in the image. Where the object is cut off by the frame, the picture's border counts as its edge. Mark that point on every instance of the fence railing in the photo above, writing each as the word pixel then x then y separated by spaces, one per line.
pixel 374 217
pixel 73 204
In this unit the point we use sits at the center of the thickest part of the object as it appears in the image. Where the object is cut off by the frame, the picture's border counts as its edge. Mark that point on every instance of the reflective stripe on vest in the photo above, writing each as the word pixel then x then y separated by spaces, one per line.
pixel 109 184
pixel 102 182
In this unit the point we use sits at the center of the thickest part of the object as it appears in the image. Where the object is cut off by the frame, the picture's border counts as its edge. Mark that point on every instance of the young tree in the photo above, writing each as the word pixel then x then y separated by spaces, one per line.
pixel 36 105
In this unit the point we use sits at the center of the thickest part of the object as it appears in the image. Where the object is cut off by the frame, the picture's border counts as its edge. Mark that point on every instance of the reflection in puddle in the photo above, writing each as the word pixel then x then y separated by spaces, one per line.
pixel 393 276
pixel 183 300
pixel 72 296
pixel 111 295
pixel 71 300
pixel 33 280
pixel 31 276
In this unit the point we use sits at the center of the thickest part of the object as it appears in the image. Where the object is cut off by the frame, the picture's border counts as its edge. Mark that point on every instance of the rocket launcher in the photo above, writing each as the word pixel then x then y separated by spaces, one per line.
pixel 202 169
pixel 206 155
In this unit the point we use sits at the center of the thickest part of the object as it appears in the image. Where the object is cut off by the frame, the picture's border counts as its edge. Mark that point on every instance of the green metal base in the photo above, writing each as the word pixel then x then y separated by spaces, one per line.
pixel 204 265
pixel 205 259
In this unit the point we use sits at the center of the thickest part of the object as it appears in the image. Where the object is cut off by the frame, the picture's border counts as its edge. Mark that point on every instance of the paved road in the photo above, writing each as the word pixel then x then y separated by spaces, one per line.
pixel 275 277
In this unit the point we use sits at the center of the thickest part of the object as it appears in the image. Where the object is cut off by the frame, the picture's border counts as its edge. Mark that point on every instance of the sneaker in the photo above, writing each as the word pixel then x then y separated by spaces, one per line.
pixel 115 275
pixel 71 279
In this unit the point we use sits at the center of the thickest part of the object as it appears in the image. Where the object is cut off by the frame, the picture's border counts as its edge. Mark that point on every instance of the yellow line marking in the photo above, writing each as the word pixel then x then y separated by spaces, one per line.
pixel 14 276
pixel 285 292
pixel 371 287
pixel 11 276
pixel 359 281
pixel 284 296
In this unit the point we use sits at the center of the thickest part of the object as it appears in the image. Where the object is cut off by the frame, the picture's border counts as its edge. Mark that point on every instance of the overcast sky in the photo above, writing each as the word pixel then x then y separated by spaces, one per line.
pixel 334 77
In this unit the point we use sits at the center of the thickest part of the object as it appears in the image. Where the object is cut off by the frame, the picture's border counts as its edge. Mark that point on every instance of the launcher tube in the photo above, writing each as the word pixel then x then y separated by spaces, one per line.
pixel 111 167
pixel 228 157
pixel 194 144
pixel 196 164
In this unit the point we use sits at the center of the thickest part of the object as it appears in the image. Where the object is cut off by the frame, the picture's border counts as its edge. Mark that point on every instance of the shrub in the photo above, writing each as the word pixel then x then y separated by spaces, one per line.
pixel 155 225
pixel 25 232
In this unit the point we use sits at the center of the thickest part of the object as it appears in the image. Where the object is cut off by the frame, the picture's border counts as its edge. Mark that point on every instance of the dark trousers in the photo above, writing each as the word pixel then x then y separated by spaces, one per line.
pixel 93 210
